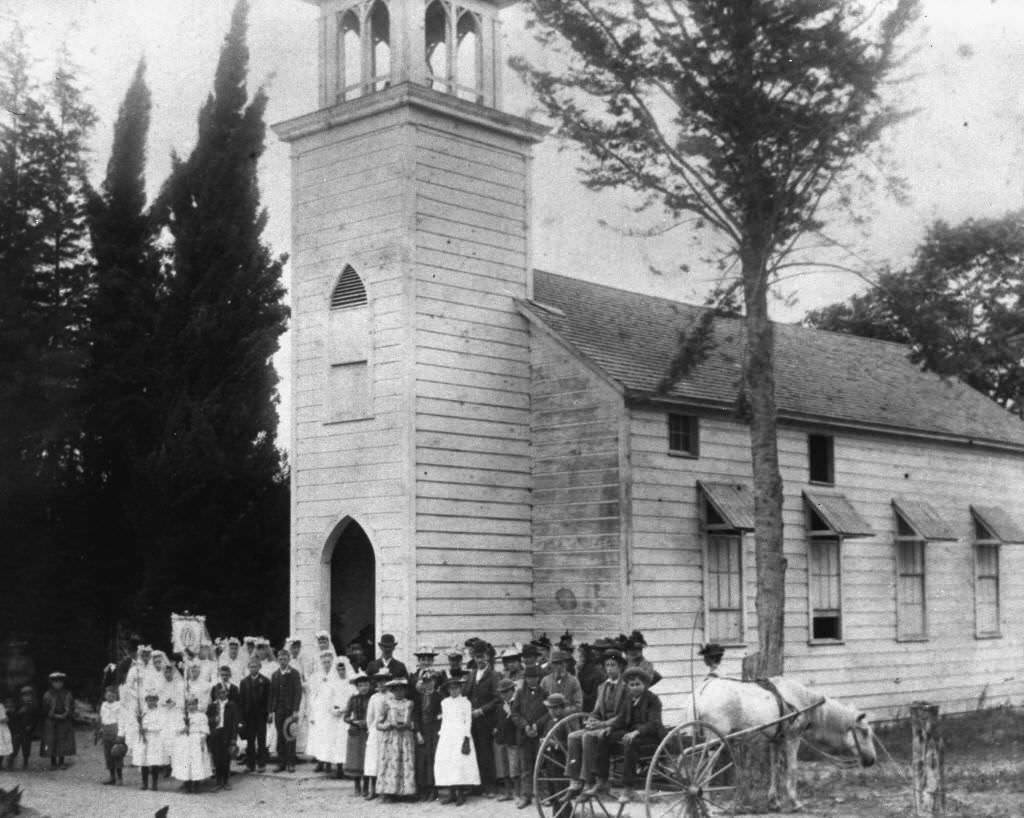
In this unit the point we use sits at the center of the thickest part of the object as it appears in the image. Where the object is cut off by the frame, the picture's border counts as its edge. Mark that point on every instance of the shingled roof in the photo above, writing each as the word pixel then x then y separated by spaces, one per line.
pixel 821 376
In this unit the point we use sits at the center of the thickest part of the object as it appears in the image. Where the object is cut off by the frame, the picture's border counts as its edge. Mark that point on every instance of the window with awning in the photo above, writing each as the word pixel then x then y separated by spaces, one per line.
pixel 727 511
pixel 993 528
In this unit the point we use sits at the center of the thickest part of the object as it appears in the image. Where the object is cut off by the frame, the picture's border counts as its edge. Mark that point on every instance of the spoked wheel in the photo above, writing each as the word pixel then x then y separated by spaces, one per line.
pixel 692 774
pixel 552 794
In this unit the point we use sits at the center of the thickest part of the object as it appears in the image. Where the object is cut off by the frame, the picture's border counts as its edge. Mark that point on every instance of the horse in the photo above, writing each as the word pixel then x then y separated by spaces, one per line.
pixel 730 705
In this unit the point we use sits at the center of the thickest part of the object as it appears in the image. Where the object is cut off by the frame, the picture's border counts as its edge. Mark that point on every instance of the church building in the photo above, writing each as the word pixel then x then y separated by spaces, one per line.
pixel 480 448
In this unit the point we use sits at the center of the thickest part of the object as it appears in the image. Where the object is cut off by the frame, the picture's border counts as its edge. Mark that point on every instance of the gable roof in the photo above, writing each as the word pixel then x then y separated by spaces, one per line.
pixel 824 377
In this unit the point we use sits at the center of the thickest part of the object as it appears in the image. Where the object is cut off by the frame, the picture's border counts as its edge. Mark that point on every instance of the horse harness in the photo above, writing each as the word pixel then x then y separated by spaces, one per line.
pixel 785 708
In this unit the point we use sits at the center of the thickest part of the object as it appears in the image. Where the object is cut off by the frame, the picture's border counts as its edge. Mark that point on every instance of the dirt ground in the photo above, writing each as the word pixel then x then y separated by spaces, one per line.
pixel 984 764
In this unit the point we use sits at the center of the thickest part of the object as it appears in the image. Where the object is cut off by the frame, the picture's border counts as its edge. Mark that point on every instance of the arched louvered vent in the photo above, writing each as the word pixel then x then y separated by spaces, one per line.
pixel 349 291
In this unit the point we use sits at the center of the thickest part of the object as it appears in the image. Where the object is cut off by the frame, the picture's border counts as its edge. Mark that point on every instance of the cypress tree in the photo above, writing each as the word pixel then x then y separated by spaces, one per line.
pixel 118 394
pixel 217 468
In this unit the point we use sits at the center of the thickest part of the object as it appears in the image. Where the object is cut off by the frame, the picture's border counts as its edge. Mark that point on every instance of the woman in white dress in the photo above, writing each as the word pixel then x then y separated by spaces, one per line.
pixel 373 711
pixel 455 764
pixel 190 761
pixel 341 692
pixel 321 719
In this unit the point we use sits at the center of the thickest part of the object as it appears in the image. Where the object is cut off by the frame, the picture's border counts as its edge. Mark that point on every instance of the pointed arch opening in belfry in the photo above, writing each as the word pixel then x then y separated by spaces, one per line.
pixel 350 56
pixel 379 23
pixel 350 571
pixel 469 57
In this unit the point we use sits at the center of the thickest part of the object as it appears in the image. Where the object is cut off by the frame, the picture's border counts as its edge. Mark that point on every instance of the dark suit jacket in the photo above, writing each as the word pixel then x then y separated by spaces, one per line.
pixel 233 692
pixel 285 692
pixel 254 698
pixel 528 709
pixel 426 713
pixel 395 668
pixel 613 711
pixel 644 718
pixel 228 731
pixel 483 695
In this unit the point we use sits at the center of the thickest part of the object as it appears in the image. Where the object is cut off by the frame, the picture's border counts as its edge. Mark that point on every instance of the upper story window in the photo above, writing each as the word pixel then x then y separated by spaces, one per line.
pixel 364 50
pixel 349 376
pixel 454 50
pixel 683 435
pixel 821 458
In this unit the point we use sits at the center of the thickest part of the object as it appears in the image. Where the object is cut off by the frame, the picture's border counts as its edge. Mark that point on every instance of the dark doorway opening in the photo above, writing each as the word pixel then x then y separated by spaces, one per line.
pixel 353 587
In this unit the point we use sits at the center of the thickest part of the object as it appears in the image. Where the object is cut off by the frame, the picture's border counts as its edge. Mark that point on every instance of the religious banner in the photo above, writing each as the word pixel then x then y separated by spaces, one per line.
pixel 188 632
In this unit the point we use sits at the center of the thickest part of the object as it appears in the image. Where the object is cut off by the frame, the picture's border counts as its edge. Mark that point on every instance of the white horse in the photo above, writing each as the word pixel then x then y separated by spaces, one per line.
pixel 729 706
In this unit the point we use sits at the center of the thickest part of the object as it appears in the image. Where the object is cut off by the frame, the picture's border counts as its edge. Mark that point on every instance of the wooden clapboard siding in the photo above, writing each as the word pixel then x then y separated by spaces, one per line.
pixel 350 208
pixel 870 667
pixel 472 386
pixel 578 495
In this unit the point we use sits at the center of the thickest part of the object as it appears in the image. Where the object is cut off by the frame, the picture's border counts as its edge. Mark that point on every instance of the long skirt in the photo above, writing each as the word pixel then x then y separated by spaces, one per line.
pixel 425 753
pixel 396 773
pixel 6 744
pixel 190 758
pixel 58 738
pixel 355 752
pixel 372 754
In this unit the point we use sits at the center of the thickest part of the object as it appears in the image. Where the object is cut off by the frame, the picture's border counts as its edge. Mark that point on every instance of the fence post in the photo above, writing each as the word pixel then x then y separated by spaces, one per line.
pixel 929 777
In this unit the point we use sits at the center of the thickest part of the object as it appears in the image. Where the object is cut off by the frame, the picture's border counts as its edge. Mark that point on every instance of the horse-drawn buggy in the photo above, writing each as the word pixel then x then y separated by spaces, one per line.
pixel 693 770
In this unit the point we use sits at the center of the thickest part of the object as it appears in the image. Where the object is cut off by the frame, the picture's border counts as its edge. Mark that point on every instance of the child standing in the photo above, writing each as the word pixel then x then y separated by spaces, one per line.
pixel 455 764
pixel 148 750
pixel 24 719
pixel 223 717
pixel 190 760
pixel 6 745
pixel 506 751
pixel 355 717
pixel 396 776
pixel 108 730
pixel 427 716
pixel 58 728
pixel 373 711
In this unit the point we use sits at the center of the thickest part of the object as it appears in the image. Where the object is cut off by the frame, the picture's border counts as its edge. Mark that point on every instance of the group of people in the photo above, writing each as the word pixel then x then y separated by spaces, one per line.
pixel 472 724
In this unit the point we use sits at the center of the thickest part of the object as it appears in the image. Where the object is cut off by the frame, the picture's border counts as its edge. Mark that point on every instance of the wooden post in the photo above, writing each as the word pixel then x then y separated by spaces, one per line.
pixel 929 777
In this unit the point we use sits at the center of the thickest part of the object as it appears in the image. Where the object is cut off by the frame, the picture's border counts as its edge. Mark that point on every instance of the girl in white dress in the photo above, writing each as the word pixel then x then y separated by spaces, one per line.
pixel 455 764
pixel 190 761
pixel 6 743
pixel 373 710
pixel 148 747
pixel 321 719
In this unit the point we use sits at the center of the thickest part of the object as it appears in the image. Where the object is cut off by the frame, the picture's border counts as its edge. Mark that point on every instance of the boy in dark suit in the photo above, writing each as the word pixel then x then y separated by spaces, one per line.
pixel 285 700
pixel 529 715
pixel 227 683
pixel 254 698
pixel 641 729
pixel 224 717
pixel 606 717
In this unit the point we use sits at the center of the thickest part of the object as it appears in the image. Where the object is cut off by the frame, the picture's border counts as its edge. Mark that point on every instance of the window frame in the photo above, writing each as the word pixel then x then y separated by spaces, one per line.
pixel 912 539
pixel 339 357
pixel 996 544
pixel 816 536
pixel 714 526
pixel 831 480
pixel 693 433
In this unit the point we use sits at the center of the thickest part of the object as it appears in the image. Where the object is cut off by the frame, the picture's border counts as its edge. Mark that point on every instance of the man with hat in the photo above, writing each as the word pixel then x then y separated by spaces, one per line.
pixel 356 656
pixel 482 691
pixel 640 732
pixel 608 715
pixel 530 657
pixel 635 644
pixel 387 660
pixel 559 681
pixel 512 666
pixel 285 701
pixel 506 750
pixel 712 653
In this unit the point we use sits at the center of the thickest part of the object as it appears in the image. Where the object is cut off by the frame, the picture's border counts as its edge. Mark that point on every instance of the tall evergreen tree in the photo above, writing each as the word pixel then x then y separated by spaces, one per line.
pixel 219 325
pixel 118 395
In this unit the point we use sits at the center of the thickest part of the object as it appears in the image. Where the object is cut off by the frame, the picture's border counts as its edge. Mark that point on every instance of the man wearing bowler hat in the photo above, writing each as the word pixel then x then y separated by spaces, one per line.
pixel 387 660
pixel 559 681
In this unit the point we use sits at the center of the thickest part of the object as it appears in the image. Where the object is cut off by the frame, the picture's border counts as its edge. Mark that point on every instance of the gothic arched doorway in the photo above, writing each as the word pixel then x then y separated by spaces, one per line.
pixel 353 589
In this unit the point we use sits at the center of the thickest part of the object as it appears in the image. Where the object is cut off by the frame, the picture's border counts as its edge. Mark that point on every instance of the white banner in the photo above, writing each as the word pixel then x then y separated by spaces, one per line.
pixel 188 632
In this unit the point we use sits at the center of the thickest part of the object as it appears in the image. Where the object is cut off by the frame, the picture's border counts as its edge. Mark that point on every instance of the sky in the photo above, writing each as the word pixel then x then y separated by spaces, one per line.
pixel 961 154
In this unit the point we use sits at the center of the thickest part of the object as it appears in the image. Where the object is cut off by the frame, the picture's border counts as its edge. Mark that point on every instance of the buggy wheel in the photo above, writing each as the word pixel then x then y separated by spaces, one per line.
pixel 551 784
pixel 692 774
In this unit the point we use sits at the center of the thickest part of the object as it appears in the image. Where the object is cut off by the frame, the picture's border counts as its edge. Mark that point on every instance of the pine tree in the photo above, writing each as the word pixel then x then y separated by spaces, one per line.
pixel 219 325
pixel 118 393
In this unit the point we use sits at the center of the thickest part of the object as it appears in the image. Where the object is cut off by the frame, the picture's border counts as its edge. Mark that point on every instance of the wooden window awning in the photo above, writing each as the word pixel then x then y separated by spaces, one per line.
pixel 923 519
pixel 733 502
pixel 1003 527
pixel 835 514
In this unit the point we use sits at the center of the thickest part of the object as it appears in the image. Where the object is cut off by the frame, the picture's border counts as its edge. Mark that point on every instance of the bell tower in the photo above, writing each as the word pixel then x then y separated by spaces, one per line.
pixel 411 364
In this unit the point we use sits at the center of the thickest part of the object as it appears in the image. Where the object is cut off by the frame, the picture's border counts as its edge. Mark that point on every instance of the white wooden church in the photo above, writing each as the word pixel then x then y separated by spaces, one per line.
pixel 479 448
